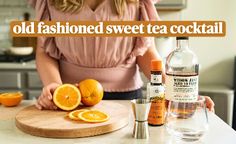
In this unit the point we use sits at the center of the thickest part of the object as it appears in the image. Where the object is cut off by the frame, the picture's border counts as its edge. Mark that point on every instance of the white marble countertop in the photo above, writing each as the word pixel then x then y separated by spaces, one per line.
pixel 219 132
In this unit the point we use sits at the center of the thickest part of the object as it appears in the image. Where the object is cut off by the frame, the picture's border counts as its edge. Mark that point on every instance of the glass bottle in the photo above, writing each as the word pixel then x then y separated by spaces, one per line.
pixel 156 94
pixel 181 81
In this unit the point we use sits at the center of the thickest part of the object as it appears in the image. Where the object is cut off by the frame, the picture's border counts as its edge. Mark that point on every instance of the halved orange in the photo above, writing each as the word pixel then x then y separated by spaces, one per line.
pixel 93 116
pixel 74 114
pixel 11 99
pixel 67 97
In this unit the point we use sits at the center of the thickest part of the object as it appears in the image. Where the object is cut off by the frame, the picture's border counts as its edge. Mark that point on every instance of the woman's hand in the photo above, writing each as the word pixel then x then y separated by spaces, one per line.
pixel 45 99
pixel 48 70
pixel 210 104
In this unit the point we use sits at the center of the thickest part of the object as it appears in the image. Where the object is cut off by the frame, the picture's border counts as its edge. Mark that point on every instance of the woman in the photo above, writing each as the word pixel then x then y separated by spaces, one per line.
pixel 113 61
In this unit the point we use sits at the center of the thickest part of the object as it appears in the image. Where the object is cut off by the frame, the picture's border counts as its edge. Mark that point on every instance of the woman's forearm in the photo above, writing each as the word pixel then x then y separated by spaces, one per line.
pixel 47 67
pixel 144 62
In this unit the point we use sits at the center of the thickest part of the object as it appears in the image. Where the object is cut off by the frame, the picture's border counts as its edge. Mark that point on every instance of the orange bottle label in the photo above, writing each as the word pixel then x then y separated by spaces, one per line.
pixel 157 112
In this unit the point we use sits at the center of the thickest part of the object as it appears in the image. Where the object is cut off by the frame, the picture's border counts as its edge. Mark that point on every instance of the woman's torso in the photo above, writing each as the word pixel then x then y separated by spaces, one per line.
pixel 110 60
pixel 96 52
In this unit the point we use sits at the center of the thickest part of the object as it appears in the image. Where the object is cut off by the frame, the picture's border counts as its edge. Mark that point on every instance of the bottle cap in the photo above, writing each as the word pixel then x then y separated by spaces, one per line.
pixel 181 38
pixel 156 65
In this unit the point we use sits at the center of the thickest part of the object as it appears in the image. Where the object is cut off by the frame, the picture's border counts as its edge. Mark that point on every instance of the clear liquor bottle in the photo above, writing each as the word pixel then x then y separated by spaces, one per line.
pixel 182 71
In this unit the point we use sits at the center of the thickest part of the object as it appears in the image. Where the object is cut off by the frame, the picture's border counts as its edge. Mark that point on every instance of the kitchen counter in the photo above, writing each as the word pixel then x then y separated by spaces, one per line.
pixel 15 65
pixel 219 132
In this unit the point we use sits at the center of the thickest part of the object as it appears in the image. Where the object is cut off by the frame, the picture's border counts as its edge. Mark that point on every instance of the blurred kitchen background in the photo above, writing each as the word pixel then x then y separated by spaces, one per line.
pixel 216 55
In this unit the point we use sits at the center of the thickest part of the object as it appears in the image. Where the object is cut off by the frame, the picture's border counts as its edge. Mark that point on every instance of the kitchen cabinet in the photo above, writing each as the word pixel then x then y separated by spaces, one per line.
pixel 223 98
pixel 33 94
pixel 20 77
pixel 10 79
pixel 34 80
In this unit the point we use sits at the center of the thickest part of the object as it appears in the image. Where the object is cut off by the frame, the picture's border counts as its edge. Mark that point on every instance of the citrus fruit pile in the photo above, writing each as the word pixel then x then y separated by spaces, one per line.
pixel 68 96
pixel 92 116
pixel 11 99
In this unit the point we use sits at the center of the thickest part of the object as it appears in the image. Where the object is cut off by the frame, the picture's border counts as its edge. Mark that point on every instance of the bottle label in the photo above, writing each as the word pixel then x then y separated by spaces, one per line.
pixel 156 92
pixel 156 78
pixel 182 89
pixel 156 114
pixel 157 110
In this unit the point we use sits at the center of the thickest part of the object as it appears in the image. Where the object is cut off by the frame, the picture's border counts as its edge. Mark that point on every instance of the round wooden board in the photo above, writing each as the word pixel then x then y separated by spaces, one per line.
pixel 56 124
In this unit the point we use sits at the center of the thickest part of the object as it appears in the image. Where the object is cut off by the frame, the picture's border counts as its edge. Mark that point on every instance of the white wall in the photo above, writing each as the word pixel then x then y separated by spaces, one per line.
pixel 216 55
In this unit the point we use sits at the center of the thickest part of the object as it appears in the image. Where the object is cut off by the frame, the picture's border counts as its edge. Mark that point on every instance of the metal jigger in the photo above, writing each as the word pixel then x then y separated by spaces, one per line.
pixel 141 109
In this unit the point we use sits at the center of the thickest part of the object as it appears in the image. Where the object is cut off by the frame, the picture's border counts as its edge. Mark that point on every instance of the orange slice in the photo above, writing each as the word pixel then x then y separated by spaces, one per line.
pixel 93 116
pixel 67 97
pixel 74 114
pixel 11 99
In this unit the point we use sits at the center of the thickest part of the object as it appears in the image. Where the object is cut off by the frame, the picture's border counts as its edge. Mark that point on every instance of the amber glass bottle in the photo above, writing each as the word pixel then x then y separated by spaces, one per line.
pixel 156 94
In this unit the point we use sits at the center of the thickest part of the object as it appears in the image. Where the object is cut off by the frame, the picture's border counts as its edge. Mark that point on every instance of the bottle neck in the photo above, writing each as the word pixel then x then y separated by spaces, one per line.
pixel 182 44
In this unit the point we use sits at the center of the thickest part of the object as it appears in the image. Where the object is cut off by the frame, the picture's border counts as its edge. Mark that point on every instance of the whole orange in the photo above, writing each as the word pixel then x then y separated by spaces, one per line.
pixel 91 92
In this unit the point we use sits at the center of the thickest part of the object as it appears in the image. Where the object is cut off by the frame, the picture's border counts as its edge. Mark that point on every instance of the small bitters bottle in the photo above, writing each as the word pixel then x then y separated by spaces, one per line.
pixel 156 94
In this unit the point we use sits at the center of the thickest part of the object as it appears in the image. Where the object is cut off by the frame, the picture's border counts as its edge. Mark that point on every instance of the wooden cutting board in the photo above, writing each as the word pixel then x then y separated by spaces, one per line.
pixel 56 124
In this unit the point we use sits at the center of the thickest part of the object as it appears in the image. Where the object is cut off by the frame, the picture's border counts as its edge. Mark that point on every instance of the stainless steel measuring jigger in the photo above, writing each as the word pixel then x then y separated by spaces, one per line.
pixel 141 109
